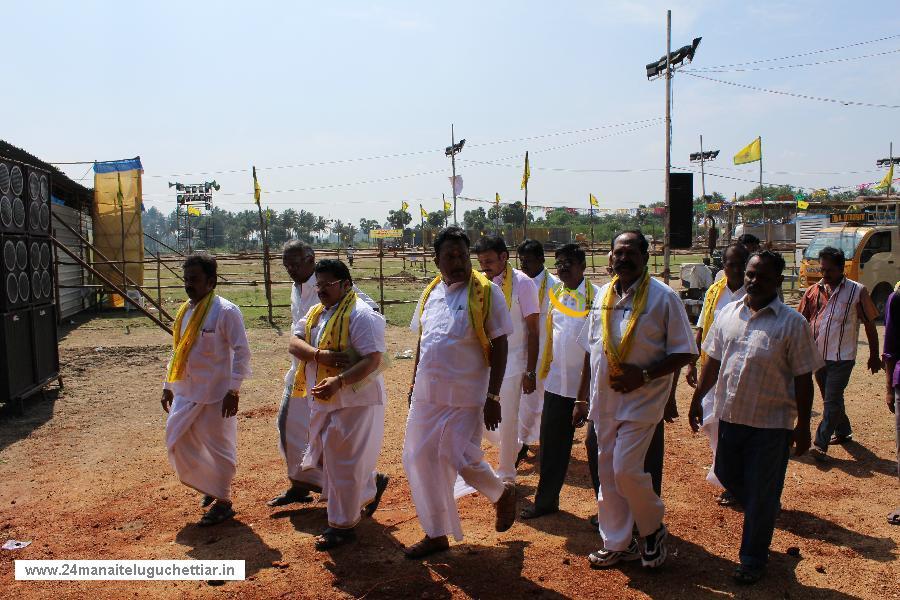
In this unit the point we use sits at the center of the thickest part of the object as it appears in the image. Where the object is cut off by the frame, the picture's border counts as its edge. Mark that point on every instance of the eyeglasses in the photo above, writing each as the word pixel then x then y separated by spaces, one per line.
pixel 322 286
pixel 564 263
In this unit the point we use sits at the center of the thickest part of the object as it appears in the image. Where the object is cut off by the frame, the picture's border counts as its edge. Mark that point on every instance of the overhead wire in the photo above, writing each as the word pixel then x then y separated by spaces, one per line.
pixel 793 66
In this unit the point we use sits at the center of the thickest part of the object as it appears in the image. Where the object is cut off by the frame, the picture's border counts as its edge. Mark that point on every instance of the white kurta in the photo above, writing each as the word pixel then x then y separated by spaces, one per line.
pixel 345 433
pixel 202 445
pixel 710 425
pixel 506 436
pixel 532 404
pixel 293 415
pixel 445 423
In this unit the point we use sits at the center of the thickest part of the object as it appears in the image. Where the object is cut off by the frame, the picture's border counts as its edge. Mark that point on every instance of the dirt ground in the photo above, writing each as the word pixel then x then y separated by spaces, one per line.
pixel 84 475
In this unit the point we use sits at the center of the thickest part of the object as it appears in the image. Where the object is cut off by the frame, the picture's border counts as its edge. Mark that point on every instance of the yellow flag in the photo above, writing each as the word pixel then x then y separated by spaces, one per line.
pixel 496 197
pixel 405 207
pixel 593 200
pixel 256 189
pixel 802 204
pixel 886 182
pixel 526 174
pixel 423 212
pixel 193 210
pixel 447 206
pixel 751 153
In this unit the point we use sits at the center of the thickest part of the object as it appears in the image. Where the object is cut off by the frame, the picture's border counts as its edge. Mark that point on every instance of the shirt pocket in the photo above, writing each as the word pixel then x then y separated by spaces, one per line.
pixel 207 342
pixel 759 346
pixel 459 323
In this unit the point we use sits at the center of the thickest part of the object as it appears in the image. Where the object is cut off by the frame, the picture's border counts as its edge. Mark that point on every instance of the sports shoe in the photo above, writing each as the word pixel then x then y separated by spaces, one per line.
pixel 653 548
pixel 603 558
pixel 837 440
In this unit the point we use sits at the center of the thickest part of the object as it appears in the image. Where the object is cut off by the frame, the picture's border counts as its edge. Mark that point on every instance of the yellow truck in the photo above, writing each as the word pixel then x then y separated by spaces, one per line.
pixel 873 257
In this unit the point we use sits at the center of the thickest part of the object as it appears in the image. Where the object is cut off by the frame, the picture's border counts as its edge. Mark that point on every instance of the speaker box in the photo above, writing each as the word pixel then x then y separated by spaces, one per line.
pixel 40 263
pixel 37 202
pixel 17 368
pixel 14 272
pixel 12 200
pixel 681 210
pixel 44 342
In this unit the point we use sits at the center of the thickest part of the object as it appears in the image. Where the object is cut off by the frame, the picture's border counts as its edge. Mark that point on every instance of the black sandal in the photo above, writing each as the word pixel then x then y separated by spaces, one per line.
pixel 219 513
pixel 206 501
pixel 533 512
pixel 381 482
pixel 289 497
pixel 745 575
pixel 332 538
pixel 894 517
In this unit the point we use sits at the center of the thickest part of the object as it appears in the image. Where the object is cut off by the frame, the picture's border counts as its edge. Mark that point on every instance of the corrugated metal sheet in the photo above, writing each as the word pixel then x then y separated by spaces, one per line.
pixel 72 300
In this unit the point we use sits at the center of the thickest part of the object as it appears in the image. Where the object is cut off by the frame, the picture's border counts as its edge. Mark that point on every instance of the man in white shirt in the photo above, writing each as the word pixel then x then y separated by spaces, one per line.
pixel 347 402
pixel 211 358
pixel 834 307
pixel 299 260
pixel 637 336
pixel 722 293
pixel 531 260
pixel 561 373
pixel 463 323
pixel 761 359
pixel 521 300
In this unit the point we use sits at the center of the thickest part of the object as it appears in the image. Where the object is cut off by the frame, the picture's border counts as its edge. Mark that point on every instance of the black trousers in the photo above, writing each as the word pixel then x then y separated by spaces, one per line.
pixel 556 447
pixel 653 462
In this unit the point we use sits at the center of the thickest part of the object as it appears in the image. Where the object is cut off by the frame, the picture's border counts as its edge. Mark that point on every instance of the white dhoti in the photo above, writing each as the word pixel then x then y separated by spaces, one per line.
pixel 202 446
pixel 530 408
pixel 344 446
pixel 710 428
pixel 626 497
pixel 293 431
pixel 441 442
pixel 506 436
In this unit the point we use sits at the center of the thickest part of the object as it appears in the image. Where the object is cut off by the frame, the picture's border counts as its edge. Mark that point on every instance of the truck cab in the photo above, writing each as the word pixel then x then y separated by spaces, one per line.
pixel 872 252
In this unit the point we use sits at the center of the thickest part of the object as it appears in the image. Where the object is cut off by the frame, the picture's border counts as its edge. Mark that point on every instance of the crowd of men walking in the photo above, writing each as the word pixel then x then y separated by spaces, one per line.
pixel 524 357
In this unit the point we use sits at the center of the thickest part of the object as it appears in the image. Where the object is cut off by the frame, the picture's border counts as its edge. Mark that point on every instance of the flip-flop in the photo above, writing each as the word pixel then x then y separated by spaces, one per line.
pixel 894 517
pixel 219 513
pixel 289 497
pixel 381 482
pixel 332 538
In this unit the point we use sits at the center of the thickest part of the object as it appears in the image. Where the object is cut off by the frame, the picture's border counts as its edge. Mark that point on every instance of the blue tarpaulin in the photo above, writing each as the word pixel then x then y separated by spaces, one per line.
pixel 111 166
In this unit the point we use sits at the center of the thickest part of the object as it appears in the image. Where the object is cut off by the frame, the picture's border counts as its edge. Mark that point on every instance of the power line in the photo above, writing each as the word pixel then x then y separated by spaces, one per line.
pixel 794 66
pixel 560 169
pixel 810 53
pixel 795 95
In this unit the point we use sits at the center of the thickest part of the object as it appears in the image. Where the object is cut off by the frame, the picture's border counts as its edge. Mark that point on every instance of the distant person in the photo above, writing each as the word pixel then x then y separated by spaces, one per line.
pixel 531 259
pixel 560 371
pixel 210 359
pixel 350 252
pixel 892 371
pixel 834 307
pixel 761 360
pixel 635 340
pixel 712 235
pixel 752 244
pixel 463 323
pixel 347 398
pixel 722 293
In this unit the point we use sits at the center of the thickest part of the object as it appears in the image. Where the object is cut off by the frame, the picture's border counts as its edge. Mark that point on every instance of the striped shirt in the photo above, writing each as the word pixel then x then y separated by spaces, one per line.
pixel 835 315
pixel 761 353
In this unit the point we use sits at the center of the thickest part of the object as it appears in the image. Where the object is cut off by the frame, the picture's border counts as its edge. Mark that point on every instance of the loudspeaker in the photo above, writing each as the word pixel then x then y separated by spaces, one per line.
pixel 12 203
pixel 39 264
pixel 681 210
pixel 38 202
pixel 17 370
pixel 44 342
pixel 14 273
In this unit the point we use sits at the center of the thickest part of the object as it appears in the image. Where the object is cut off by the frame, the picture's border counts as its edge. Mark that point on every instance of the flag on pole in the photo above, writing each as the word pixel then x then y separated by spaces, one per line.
pixel 497 198
pixel 457 184
pixel 802 204
pixel 593 201
pixel 750 153
pixel 888 178
pixel 256 189
pixel 193 210
pixel 405 206
pixel 447 206
pixel 423 212
pixel 526 174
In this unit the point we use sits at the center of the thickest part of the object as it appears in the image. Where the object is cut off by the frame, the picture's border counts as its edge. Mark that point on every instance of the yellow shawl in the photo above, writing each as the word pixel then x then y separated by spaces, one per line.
pixel 616 355
pixel 479 305
pixel 507 286
pixel 709 312
pixel 182 344
pixel 335 337
pixel 548 323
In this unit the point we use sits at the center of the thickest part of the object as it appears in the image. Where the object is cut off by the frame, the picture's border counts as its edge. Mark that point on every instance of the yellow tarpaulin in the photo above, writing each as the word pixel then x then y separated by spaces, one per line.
pixel 118 232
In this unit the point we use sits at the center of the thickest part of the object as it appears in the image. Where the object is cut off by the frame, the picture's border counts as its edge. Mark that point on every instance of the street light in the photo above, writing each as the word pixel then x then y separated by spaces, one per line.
pixel 452 150
pixel 702 157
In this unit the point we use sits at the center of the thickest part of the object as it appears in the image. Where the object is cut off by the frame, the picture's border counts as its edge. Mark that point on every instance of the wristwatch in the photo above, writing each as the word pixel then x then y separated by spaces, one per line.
pixel 494 397
pixel 646 375
pixel 531 374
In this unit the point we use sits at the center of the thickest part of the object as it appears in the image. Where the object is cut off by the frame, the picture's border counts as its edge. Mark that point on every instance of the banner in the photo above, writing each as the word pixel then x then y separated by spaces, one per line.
pixel 381 234
pixel 457 184
pixel 118 232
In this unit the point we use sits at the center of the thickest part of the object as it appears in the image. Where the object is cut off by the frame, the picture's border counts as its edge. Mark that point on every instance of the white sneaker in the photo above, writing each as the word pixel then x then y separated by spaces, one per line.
pixel 603 559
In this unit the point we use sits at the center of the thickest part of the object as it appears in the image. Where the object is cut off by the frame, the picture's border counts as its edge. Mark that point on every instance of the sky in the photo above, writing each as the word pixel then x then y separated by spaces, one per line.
pixel 345 108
